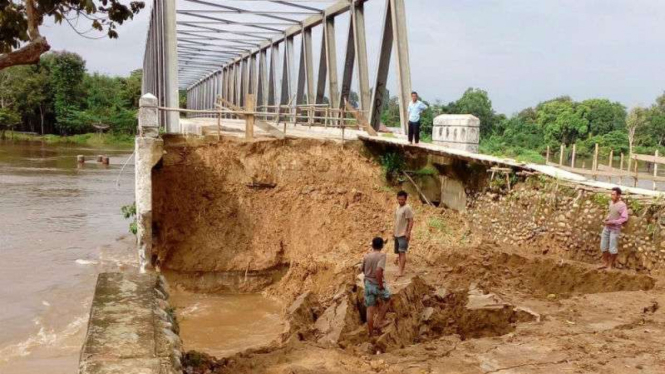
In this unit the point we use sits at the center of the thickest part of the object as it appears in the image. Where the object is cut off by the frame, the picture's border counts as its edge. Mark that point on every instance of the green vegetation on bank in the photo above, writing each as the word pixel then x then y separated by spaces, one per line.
pixel 58 96
pixel 90 139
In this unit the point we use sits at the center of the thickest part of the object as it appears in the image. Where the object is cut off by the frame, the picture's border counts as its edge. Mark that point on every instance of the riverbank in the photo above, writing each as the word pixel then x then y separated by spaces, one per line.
pixel 89 139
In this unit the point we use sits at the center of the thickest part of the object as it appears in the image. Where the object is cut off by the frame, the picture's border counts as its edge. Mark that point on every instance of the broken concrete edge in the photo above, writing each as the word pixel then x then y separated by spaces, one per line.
pixel 132 328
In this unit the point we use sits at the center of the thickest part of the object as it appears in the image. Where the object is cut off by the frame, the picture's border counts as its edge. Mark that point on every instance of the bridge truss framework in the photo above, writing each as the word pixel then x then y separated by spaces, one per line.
pixel 219 58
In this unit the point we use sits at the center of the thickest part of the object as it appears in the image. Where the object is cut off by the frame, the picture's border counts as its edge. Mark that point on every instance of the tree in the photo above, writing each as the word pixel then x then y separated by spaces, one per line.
pixel 562 121
pixel 476 101
pixel 20 40
pixel 67 73
pixel 604 116
pixel 636 119
pixel 8 119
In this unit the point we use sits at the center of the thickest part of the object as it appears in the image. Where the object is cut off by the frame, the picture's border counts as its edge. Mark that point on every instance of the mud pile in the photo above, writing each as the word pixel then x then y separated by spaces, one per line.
pixel 254 207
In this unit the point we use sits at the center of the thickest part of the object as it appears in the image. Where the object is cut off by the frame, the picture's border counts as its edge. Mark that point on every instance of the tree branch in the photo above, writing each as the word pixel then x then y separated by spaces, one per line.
pixel 31 52
pixel 26 55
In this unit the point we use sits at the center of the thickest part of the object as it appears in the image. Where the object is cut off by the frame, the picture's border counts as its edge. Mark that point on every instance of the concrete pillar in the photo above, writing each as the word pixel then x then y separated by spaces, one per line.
pixel 171 66
pixel 148 150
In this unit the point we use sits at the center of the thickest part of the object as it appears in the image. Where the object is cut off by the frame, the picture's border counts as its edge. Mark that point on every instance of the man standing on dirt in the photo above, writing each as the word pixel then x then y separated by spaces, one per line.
pixel 402 233
pixel 376 292
pixel 609 242
pixel 415 108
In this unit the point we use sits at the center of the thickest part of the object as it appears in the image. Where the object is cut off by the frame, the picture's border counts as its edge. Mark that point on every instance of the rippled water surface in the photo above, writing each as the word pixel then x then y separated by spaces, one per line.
pixel 60 225
pixel 222 325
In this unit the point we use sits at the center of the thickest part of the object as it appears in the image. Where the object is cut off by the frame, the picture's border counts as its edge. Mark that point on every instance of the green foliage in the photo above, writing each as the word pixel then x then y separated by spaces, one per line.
pixel 635 205
pixel 393 164
pixel 476 101
pixel 8 117
pixel 601 199
pixel 103 15
pixel 58 96
pixel 129 212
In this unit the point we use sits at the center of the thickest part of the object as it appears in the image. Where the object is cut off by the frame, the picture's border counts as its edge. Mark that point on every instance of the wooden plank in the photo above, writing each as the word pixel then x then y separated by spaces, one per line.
pixel 648 158
pixel 362 121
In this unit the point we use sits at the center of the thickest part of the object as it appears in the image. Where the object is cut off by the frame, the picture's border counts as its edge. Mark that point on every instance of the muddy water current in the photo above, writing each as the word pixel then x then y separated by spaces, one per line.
pixel 60 225
pixel 222 325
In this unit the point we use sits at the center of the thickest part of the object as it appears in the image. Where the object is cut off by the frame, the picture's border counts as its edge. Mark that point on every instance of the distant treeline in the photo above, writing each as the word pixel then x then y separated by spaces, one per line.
pixel 58 96
pixel 527 134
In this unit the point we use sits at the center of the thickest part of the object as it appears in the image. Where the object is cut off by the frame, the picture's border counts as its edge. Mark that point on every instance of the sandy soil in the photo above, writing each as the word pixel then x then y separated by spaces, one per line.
pixel 310 209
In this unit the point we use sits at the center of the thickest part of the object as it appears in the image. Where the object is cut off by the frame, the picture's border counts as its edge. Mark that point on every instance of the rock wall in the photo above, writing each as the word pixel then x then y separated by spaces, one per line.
pixel 132 329
pixel 546 217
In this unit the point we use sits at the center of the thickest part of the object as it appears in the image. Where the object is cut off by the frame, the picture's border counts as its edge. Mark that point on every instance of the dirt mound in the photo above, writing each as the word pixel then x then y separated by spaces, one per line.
pixel 539 277
pixel 245 207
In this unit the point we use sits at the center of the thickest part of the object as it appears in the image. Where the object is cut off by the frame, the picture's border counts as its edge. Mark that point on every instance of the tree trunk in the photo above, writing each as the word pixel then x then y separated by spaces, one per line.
pixel 41 117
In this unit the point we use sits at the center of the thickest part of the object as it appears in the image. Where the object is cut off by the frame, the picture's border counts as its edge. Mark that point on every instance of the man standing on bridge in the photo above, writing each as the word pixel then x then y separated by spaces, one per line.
pixel 415 108
pixel 402 233
pixel 609 242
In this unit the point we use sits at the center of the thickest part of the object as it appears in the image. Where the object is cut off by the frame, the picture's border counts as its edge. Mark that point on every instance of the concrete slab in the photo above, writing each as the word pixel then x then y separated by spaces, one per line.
pixel 129 331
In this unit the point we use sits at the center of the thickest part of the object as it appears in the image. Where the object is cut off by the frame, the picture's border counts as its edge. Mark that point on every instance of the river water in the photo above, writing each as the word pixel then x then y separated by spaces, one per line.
pixel 60 225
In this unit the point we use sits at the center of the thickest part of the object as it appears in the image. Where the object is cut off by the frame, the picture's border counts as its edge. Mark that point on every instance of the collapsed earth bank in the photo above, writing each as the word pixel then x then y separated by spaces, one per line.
pixel 292 218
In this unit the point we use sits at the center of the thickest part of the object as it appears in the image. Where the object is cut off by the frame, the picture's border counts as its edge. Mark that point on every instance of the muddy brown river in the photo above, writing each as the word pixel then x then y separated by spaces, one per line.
pixel 60 226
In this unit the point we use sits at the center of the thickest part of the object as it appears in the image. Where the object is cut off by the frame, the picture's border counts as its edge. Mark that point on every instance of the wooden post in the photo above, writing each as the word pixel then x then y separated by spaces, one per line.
pixel 595 162
pixel 635 181
pixel 609 163
pixel 219 125
pixel 572 161
pixel 250 104
pixel 547 155
pixel 563 147
pixel 621 169
pixel 655 170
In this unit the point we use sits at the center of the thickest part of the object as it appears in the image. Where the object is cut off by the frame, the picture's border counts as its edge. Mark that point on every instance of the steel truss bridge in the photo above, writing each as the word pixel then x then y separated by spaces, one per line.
pixel 222 51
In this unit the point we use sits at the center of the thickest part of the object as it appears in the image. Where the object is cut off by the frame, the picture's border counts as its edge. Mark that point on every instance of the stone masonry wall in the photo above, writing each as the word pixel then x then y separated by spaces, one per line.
pixel 549 218
pixel 132 329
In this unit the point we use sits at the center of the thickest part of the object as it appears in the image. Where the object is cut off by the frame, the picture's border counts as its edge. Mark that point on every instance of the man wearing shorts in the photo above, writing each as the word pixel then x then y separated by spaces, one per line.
pixel 402 233
pixel 609 239
pixel 376 291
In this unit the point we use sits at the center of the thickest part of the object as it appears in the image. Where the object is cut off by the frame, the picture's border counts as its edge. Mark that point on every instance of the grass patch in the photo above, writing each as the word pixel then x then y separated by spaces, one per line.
pixel 427 170
pixel 90 139
pixel 387 135
pixel 438 225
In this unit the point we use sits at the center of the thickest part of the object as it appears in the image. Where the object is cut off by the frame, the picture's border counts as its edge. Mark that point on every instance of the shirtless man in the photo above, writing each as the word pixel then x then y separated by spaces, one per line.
pixel 609 239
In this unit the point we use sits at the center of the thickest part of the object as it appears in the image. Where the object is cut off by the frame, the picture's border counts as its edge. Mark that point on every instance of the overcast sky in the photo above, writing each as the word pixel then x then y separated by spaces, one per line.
pixel 520 51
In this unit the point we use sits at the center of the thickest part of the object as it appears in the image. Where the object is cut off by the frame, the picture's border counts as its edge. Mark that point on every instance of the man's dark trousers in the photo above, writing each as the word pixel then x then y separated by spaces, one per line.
pixel 414 132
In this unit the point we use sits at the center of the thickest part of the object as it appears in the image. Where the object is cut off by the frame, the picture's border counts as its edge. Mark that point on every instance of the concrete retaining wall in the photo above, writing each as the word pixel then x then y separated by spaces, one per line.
pixel 131 328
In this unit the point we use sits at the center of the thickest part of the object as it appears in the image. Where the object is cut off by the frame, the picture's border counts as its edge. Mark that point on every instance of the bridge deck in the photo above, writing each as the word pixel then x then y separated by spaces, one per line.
pixel 236 127
pixel 549 170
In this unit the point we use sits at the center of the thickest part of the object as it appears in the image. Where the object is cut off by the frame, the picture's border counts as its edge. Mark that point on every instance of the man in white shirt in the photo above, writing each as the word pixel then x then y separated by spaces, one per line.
pixel 415 108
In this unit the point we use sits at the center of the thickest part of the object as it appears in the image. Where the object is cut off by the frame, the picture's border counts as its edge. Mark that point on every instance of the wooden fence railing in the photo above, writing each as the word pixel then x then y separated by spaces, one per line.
pixel 631 169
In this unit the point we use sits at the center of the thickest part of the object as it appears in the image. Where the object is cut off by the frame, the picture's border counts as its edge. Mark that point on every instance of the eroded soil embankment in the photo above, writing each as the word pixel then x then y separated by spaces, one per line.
pixel 294 217
pixel 248 207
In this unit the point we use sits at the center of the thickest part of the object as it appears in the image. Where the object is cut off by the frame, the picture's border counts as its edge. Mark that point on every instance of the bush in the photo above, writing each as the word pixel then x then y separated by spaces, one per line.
pixel 393 165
